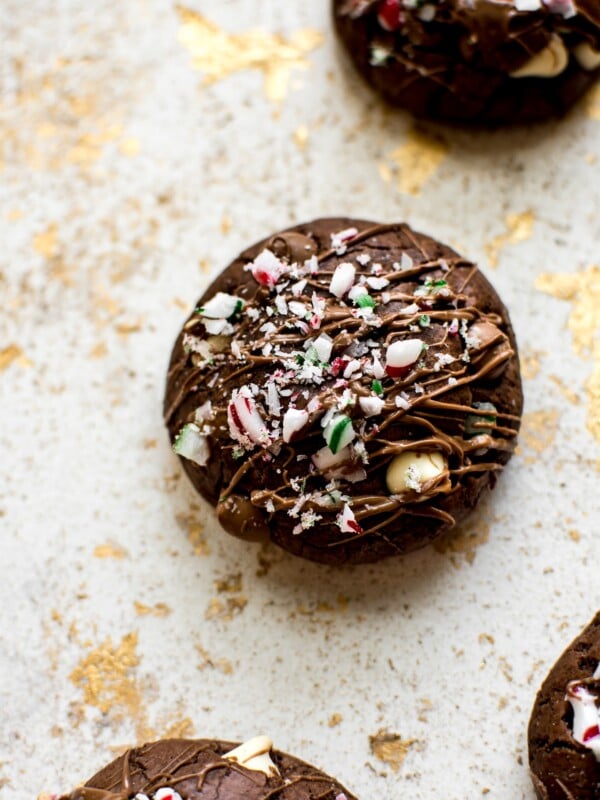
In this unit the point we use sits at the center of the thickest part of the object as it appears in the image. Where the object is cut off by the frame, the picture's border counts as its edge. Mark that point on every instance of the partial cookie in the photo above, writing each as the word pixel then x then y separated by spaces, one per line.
pixel 481 61
pixel 347 389
pixel 564 729
pixel 204 769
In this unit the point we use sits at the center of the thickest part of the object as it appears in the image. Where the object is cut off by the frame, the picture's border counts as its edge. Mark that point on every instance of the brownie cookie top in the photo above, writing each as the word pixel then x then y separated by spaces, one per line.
pixel 345 388
pixel 204 769
pixel 469 59
pixel 564 729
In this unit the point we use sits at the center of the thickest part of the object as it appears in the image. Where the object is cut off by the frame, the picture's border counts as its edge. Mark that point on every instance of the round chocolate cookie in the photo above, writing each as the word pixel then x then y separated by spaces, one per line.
pixel 346 389
pixel 482 61
pixel 204 769
pixel 564 729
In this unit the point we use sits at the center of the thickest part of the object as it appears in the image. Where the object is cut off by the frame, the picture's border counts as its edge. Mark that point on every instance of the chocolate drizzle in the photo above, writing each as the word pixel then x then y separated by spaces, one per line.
pixel 198 770
pixel 420 290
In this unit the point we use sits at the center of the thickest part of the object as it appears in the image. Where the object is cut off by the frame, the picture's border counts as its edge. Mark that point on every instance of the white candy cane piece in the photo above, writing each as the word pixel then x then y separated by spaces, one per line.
pixel 166 794
pixel 402 354
pixel 267 269
pixel 221 306
pixel 347 521
pixel 245 422
pixel 192 444
pixel 294 420
pixel 342 279
pixel 586 716
pixel 371 405
pixel 323 345
pixel 324 459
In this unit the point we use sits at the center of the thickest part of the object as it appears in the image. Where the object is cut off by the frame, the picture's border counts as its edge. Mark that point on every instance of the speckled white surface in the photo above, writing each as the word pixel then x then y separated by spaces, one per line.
pixel 118 169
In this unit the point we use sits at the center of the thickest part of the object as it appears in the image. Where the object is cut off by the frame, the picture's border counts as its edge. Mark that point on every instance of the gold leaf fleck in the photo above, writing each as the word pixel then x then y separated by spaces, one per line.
pixel 157 610
pixel 519 228
pixel 45 243
pixel 110 551
pixel 531 363
pixel 301 136
pixel 206 661
pixel 13 353
pixel 195 533
pixel 465 539
pixel 390 748
pixel 415 161
pixel 334 720
pixel 219 54
pixel 539 429
pixel 582 289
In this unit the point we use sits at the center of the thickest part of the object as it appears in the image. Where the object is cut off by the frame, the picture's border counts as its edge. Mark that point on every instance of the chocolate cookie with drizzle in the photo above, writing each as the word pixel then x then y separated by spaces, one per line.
pixel 564 729
pixel 347 389
pixel 203 769
pixel 481 61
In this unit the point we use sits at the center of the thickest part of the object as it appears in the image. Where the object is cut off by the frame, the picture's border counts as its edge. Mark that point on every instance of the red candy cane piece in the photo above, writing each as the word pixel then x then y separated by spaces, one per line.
pixel 389 14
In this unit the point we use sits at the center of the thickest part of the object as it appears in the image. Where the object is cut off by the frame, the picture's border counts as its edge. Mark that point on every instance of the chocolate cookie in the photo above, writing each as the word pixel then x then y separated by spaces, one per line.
pixel 564 729
pixel 346 389
pixel 203 769
pixel 482 61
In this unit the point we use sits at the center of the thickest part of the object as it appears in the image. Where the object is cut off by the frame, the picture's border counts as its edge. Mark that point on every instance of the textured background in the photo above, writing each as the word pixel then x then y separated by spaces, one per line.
pixel 141 147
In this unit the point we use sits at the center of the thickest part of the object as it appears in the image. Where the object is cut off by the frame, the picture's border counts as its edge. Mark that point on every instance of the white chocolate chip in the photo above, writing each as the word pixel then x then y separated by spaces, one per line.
pixel 411 469
pixel 548 63
pixel 587 57
pixel 254 754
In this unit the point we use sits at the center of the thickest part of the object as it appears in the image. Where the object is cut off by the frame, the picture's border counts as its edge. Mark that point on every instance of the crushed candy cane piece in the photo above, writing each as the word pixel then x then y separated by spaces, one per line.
pixel 586 715
pixel 340 239
pixel 246 425
pixel 294 420
pixel 267 269
pixel 323 345
pixel 324 459
pixel 401 355
pixel 389 14
pixel 192 444
pixel 166 794
pixel 342 279
pixel 371 405
pixel 221 307
pixel 347 521
pixel 339 433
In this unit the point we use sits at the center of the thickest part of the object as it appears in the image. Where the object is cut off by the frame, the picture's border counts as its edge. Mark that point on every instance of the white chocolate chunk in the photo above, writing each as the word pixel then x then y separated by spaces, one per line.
pixel 587 57
pixel 254 754
pixel 411 469
pixel 548 63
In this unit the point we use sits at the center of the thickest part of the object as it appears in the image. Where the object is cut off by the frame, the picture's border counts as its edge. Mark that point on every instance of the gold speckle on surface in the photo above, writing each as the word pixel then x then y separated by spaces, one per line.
pixel 390 748
pixel 539 428
pixel 464 539
pixel 110 551
pixel 129 146
pixel 219 54
pixel 226 611
pixel 194 530
pixel 519 228
pixel 415 161
pixel 582 289
pixel 13 353
pixel 180 729
pixel 565 390
pixel 157 610
pixel 230 583
pixel 208 662
pixel 301 136
pixel 530 361
pixel 105 676
pixel 45 242
pixel 334 720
